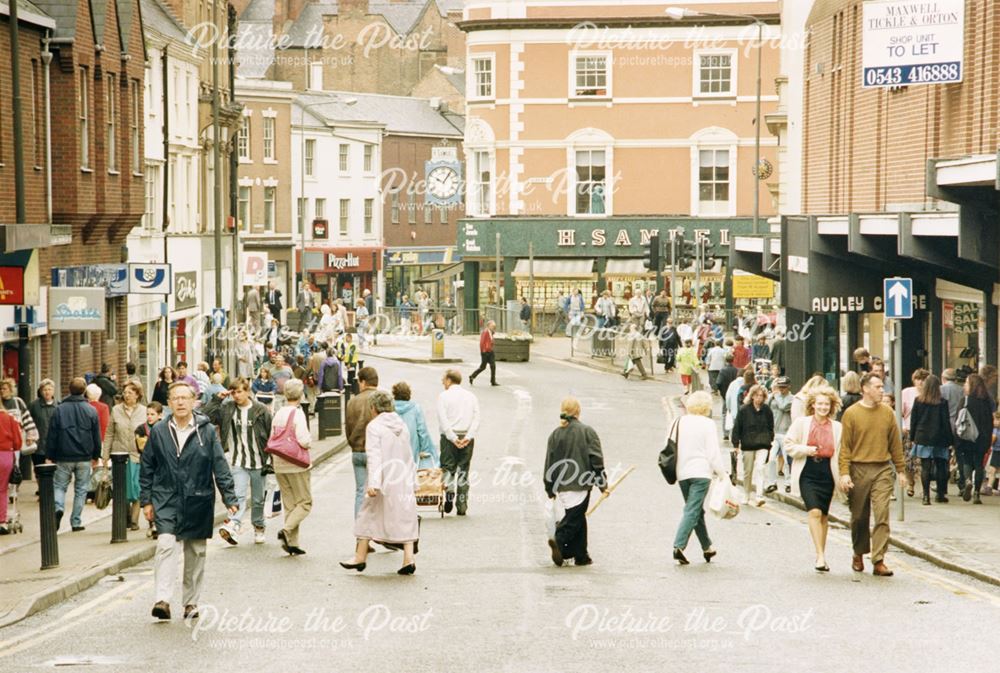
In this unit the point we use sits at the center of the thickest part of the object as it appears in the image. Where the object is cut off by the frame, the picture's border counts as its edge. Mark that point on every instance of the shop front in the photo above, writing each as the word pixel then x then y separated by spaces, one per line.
pixel 342 273
pixel 145 338
pixel 568 254
pixel 279 262
pixel 431 269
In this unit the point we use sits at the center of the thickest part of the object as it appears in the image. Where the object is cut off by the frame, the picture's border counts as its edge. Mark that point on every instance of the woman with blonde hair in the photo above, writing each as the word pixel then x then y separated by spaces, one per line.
pixel 699 458
pixel 851 384
pixel 814 442
pixel 574 464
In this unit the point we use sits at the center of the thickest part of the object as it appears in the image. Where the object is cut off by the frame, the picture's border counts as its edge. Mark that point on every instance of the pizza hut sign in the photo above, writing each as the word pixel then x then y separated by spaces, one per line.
pixel 338 263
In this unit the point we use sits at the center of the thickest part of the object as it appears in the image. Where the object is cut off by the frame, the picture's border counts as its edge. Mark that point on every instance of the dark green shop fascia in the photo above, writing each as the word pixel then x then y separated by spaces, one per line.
pixel 600 238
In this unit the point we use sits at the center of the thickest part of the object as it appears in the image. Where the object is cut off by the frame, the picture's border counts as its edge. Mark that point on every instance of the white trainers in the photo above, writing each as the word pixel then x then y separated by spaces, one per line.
pixel 258 536
pixel 228 533
pixel 760 501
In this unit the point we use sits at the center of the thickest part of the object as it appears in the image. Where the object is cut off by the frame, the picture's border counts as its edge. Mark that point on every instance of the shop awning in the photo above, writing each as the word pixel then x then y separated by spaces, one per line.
pixel 444 273
pixel 555 268
pixel 633 268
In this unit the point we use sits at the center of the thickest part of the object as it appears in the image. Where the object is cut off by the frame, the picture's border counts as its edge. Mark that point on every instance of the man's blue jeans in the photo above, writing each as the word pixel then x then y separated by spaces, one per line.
pixel 359 459
pixel 693 518
pixel 242 478
pixel 80 473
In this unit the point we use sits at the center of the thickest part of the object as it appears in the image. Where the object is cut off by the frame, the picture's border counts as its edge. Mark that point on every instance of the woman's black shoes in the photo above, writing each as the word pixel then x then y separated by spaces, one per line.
pixel 680 558
pixel 927 499
pixel 283 538
pixel 823 568
pixel 406 570
pixel 709 554
pixel 354 566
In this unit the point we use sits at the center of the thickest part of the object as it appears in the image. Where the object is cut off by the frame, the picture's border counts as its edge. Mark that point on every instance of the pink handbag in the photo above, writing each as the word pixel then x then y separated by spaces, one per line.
pixel 285 444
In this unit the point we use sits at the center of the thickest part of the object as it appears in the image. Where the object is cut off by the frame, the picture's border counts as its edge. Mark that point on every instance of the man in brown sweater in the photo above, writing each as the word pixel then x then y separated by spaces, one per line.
pixel 870 446
pixel 359 414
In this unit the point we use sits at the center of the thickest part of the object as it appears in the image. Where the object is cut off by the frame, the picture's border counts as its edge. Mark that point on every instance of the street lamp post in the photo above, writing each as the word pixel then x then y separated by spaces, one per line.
pixel 678 13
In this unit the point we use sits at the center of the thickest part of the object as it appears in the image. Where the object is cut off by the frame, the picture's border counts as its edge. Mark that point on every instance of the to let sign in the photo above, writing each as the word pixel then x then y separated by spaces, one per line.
pixel 11 285
pixel 908 42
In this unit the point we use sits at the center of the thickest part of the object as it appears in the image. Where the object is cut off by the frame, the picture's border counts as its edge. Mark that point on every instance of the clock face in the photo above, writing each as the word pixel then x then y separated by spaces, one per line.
pixel 442 182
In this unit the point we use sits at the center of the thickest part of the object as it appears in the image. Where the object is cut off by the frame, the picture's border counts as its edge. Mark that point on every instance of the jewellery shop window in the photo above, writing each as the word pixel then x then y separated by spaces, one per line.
pixel 547 292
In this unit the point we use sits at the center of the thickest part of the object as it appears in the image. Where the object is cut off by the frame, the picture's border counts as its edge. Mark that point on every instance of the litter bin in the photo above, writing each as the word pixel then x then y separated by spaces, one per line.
pixel 329 410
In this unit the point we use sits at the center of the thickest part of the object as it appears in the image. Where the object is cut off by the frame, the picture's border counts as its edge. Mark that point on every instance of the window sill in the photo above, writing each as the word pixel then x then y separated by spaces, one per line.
pixel 590 216
pixel 84 169
pixel 576 98
pixel 39 168
pixel 486 101
pixel 271 161
pixel 138 175
pixel 722 97
pixel 113 173
pixel 245 161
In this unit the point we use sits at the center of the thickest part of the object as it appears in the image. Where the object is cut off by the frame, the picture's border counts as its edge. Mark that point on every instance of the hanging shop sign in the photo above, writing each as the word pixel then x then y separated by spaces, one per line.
pixel 149 279
pixel 185 290
pixel 254 268
pixel 319 228
pixel 11 285
pixel 111 277
pixel 77 309
pixel 906 42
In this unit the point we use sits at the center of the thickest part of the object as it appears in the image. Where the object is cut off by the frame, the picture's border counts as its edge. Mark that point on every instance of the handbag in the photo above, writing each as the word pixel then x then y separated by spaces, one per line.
pixel 102 489
pixel 965 427
pixel 668 456
pixel 284 444
pixel 15 478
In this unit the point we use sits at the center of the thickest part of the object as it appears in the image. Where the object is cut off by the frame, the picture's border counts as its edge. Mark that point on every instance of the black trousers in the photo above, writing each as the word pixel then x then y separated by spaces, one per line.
pixel 487 359
pixel 455 464
pixel 939 466
pixel 571 532
pixel 970 465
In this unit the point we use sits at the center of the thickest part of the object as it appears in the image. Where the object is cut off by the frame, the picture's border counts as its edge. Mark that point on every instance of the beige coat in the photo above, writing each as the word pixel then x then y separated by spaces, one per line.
pixel 796 440
pixel 390 516
pixel 120 437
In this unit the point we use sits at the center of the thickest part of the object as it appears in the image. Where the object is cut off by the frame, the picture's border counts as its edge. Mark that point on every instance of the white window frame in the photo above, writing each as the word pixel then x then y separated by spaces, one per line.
pixel 369 158
pixel 473 204
pixel 369 216
pixel 309 150
pixel 244 205
pixel 574 92
pixel 134 120
pixel 697 209
pixel 319 209
pixel 243 141
pixel 316 76
pixel 301 209
pixel 270 209
pixel 608 180
pixel 83 103
pixel 394 207
pixel 472 85
pixel 344 158
pixel 152 196
pixel 269 130
pixel 733 73
pixel 344 217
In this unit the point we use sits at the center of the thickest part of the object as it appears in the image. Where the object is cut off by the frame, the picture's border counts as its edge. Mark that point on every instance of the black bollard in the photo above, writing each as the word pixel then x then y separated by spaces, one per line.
pixel 119 504
pixel 47 515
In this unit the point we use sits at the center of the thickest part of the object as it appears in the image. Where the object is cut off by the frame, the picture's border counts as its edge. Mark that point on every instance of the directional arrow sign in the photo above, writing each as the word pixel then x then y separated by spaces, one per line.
pixel 898 298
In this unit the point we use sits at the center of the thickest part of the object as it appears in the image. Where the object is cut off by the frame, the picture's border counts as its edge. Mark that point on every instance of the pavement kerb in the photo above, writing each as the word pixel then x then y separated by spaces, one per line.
pixel 416 361
pixel 83 581
pixel 908 546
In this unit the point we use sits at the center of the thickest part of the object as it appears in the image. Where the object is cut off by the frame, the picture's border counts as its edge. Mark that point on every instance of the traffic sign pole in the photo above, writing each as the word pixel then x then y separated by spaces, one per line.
pixel 897 373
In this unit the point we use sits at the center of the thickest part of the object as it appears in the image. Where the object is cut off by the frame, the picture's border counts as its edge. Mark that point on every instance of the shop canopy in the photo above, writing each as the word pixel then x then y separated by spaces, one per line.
pixel 444 273
pixel 632 268
pixel 555 268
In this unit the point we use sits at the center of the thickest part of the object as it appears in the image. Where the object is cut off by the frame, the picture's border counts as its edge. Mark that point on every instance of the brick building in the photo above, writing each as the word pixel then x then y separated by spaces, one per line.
pixel 896 181
pixel 96 83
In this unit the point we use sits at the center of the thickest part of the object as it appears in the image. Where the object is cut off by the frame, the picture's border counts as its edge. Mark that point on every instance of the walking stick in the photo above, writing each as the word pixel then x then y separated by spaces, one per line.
pixel 610 490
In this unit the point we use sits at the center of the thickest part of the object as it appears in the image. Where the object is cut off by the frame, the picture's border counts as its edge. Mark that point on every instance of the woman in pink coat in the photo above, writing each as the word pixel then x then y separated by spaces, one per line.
pixel 389 511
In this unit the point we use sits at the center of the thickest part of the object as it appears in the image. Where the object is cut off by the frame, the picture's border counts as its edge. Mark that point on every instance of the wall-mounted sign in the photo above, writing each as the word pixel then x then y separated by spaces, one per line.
pixel 77 309
pixel 749 286
pixel 342 262
pixel 907 42
pixel 858 304
pixel 255 268
pixel 11 285
pixel 149 279
pixel 185 290
pixel 320 227
pixel 112 277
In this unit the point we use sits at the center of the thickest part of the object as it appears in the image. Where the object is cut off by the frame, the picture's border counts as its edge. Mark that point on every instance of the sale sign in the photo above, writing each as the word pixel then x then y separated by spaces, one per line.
pixel 909 42
pixel 11 285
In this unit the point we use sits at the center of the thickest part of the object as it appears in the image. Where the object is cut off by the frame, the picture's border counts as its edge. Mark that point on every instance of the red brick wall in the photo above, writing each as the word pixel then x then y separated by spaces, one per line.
pixel 866 149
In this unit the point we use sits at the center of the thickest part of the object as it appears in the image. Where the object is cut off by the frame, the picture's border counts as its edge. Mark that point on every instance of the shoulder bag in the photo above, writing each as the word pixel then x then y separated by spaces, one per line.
pixel 668 456
pixel 284 444
pixel 965 426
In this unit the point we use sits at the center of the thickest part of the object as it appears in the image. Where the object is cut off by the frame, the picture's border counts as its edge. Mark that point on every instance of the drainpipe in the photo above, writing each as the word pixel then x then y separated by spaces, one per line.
pixel 15 80
pixel 46 62
pixel 166 192
pixel 234 188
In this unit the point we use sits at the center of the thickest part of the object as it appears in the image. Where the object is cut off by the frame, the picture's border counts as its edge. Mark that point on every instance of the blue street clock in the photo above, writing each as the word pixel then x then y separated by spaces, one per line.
pixel 443 183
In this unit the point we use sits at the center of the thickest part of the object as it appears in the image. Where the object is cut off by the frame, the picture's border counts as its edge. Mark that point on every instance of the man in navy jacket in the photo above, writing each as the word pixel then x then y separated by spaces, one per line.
pixel 73 443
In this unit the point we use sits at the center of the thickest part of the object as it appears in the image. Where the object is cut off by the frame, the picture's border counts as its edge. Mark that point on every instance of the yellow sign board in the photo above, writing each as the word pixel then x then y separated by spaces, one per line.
pixel 752 287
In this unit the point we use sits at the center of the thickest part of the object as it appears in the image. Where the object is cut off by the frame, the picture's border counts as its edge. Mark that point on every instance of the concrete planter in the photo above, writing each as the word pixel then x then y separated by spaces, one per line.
pixel 510 350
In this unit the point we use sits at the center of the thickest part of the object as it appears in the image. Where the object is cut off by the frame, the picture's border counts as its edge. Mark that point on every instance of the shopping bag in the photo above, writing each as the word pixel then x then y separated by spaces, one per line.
pixel 553 513
pixel 101 482
pixel 721 499
pixel 272 498
pixel 629 365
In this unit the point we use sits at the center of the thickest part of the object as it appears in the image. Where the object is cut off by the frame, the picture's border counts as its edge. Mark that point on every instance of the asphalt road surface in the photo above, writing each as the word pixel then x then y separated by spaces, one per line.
pixel 486 597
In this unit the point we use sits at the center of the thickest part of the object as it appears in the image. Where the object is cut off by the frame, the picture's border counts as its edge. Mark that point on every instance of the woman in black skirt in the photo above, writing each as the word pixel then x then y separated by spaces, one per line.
pixel 814 441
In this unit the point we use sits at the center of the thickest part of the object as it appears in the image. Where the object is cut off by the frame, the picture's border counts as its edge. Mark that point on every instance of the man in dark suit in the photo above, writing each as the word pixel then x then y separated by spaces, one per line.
pixel 274 301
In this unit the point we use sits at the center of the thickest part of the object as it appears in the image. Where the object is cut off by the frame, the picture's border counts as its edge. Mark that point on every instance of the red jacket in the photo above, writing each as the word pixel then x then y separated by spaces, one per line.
pixel 741 356
pixel 103 415
pixel 486 342
pixel 10 433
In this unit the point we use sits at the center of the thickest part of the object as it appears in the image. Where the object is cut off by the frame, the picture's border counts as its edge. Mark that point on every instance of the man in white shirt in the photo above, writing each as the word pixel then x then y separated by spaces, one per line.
pixel 638 310
pixel 716 359
pixel 458 420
